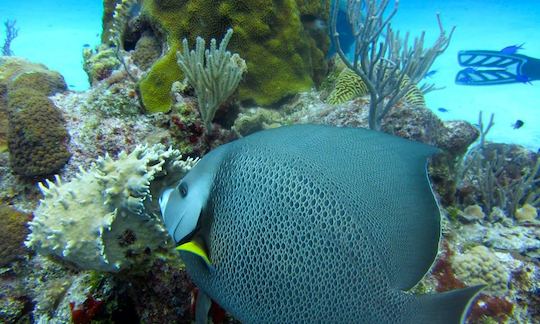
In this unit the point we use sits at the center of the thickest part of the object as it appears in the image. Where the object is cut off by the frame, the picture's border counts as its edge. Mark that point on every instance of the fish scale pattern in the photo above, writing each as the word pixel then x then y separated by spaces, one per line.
pixel 285 246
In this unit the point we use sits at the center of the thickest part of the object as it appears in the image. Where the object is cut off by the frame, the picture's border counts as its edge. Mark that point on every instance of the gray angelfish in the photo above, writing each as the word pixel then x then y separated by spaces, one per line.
pixel 313 224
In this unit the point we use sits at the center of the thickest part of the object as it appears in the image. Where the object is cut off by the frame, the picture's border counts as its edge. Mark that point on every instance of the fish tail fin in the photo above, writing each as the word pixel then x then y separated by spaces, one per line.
pixel 448 307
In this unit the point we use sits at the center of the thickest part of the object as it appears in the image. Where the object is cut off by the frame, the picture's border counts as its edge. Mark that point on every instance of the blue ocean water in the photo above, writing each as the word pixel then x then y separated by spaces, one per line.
pixel 481 25
pixel 53 33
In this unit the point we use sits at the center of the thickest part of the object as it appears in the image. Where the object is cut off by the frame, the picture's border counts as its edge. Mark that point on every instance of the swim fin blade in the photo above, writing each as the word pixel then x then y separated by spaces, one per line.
pixel 471 76
pixel 491 59
pixel 490 67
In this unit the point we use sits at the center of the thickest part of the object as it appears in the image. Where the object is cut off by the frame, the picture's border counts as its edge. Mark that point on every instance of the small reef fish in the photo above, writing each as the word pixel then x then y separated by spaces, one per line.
pixel 512 49
pixel 312 223
pixel 86 45
pixel 430 74
pixel 518 124
pixel 442 109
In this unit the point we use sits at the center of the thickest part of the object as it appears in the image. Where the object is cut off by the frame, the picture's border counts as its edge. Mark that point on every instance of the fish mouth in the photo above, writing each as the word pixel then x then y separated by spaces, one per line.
pixel 164 200
pixel 171 222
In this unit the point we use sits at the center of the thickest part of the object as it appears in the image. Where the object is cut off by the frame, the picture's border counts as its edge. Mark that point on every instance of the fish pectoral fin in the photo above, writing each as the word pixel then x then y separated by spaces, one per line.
pixel 202 307
pixel 197 249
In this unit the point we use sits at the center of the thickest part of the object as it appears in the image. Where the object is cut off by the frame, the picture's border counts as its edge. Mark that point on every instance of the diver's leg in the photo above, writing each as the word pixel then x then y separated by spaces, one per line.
pixel 531 69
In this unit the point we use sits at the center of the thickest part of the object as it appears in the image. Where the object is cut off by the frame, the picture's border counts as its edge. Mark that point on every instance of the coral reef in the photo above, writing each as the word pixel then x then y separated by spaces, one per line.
pixel 87 311
pixel 13 232
pixel 168 280
pixel 99 64
pixel 46 291
pixel 502 233
pixel 349 85
pixel 21 193
pixel 102 255
pixel 214 73
pixel 495 250
pixel 4 126
pixel 53 288
pixel 155 87
pixel 17 73
pixel 473 212
pixel 500 175
pixel 111 100
pixel 147 51
pixel 413 122
pixel 37 138
pixel 106 120
pixel 105 219
pixel 491 310
pixel 282 56
pixel 479 265
pixel 527 213
pixel 120 16
pixel 187 129
pixel 256 119
pixel 14 310
pixel 107 19
pixel 389 68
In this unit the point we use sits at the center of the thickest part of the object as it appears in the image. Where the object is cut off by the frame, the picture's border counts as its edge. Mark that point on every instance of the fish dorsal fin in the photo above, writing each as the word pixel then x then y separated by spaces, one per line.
pixel 384 180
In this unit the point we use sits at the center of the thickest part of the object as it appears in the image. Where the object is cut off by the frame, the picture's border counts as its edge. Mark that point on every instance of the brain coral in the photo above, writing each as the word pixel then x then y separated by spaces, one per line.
pixel 284 50
pixel 37 138
pixel 481 266
pixel 107 218
pixel 350 85
pixel 13 230
pixel 16 73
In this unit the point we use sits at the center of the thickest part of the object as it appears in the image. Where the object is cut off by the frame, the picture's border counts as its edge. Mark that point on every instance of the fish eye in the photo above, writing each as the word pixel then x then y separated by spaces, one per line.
pixel 183 189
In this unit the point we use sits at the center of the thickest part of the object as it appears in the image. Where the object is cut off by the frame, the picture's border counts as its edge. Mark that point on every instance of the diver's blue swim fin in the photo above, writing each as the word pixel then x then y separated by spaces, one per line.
pixel 472 76
pixel 495 67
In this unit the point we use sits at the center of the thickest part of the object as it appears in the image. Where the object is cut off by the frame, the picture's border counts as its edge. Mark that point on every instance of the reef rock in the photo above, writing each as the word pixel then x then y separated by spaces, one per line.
pixel 413 122
pixel 505 236
pixel 106 218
